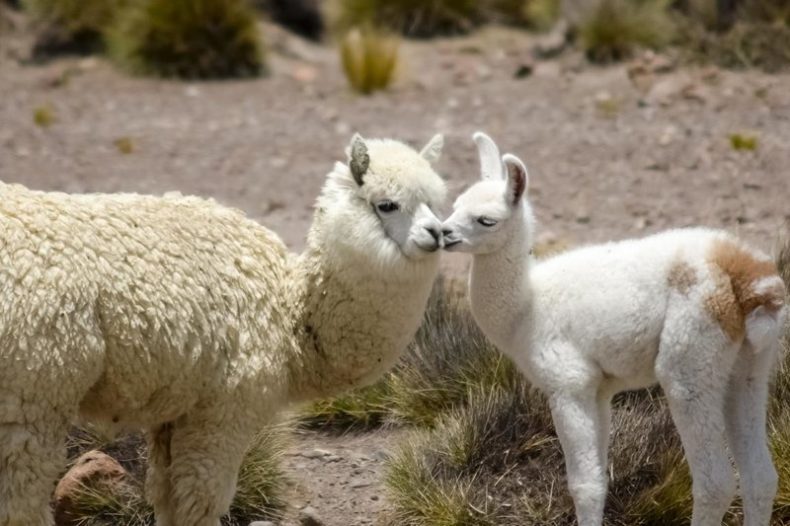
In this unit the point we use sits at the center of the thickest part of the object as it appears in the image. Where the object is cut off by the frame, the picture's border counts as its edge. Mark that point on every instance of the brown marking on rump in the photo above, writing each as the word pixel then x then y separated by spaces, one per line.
pixel 682 276
pixel 736 272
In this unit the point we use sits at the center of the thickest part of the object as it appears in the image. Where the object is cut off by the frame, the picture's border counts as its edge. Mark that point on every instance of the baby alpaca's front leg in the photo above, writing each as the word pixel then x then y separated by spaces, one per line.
pixel 206 456
pixel 158 473
pixel 577 420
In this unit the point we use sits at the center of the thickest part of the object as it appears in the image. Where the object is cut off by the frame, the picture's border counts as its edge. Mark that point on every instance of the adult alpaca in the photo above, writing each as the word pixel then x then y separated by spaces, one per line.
pixel 185 318
pixel 693 310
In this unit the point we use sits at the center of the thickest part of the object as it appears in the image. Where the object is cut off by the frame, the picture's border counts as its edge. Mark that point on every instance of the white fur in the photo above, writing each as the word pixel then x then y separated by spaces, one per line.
pixel 595 321
pixel 187 319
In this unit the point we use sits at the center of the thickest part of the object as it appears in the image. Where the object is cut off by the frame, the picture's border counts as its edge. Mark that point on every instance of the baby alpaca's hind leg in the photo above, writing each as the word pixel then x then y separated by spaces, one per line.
pixel 32 455
pixel 746 431
pixel 694 373
pixel 206 456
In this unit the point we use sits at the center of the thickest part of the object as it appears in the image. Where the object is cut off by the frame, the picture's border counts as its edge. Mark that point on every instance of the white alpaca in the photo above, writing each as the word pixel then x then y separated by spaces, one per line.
pixel 694 310
pixel 187 319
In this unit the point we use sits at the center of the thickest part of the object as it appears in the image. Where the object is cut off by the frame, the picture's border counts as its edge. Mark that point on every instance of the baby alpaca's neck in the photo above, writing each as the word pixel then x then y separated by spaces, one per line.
pixel 500 290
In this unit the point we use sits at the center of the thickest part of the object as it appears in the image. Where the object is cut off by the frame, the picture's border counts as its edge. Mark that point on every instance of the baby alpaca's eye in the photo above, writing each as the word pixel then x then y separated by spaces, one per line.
pixel 386 206
pixel 486 221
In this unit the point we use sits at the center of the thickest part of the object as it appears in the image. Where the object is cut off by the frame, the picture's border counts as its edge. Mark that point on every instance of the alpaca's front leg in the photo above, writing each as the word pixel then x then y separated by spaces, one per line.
pixel 577 418
pixel 157 475
pixel 206 451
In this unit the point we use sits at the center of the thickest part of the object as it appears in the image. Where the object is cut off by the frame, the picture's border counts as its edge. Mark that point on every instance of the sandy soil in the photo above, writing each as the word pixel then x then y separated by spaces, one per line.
pixel 609 156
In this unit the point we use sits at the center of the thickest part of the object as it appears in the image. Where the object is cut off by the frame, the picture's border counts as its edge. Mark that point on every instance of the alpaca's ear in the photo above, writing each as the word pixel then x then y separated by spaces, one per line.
pixel 433 150
pixel 358 158
pixel 517 178
pixel 490 163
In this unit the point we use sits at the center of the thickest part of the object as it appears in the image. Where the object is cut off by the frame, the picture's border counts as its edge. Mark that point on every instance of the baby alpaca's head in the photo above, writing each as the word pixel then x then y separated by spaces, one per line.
pixel 380 206
pixel 487 216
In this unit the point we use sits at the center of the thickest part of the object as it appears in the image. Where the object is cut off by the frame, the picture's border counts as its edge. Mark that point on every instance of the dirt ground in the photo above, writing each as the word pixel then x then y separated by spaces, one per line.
pixel 609 156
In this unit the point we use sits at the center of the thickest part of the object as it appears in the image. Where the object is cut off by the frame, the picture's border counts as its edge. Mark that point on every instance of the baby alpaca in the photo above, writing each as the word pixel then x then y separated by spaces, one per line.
pixel 693 310
pixel 187 319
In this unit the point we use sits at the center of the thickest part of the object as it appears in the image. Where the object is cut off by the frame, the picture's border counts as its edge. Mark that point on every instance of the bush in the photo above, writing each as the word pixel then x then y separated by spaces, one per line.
pixel 416 18
pixel 369 59
pixel 71 25
pixel 196 39
pixel 616 28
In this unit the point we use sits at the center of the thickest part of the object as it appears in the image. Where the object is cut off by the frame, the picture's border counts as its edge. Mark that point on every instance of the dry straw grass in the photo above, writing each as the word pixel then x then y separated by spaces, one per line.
pixel 370 59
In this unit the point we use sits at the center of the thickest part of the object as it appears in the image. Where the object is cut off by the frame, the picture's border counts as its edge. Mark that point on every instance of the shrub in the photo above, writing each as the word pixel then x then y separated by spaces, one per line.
pixel 541 14
pixel 71 25
pixel 197 39
pixel 616 28
pixel 369 59
pixel 416 18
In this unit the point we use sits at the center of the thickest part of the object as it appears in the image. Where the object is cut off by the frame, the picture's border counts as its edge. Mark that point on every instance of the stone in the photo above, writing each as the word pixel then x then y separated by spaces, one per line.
pixel 262 523
pixel 95 470
pixel 308 516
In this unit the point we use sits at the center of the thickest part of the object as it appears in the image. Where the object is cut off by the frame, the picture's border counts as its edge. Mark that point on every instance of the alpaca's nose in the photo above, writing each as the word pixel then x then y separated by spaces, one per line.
pixel 434 233
pixel 446 231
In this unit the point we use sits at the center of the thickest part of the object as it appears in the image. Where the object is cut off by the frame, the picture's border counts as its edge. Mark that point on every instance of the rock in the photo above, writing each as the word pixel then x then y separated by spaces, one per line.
pixel 553 43
pixel 94 470
pixel 262 523
pixel 308 516
pixel 317 453
pixel 359 485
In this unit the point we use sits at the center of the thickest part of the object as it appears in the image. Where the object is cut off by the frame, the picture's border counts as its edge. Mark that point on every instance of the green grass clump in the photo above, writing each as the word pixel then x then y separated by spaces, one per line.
pixel 743 142
pixel 261 485
pixel 616 28
pixel 195 39
pixel 755 35
pixel 44 116
pixel 541 14
pixel 370 58
pixel 416 18
pixel 72 25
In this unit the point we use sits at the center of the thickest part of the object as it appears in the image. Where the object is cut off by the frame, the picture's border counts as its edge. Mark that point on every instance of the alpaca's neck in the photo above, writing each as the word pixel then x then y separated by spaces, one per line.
pixel 499 288
pixel 351 322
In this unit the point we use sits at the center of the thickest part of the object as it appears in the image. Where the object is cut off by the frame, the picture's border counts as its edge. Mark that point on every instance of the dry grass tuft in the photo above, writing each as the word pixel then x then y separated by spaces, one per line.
pixel 370 59
pixel 71 25
pixel 617 28
pixel 195 39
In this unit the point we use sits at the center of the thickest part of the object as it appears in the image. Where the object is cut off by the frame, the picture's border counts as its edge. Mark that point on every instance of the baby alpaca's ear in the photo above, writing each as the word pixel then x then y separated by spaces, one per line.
pixel 517 178
pixel 358 158
pixel 490 164
pixel 433 150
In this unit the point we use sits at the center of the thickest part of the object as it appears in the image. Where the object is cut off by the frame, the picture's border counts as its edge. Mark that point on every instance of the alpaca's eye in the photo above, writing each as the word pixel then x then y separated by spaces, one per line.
pixel 486 221
pixel 387 206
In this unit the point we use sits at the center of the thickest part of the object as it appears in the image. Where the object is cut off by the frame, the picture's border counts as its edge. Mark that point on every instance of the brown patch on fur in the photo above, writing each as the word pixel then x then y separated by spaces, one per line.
pixel 682 276
pixel 736 272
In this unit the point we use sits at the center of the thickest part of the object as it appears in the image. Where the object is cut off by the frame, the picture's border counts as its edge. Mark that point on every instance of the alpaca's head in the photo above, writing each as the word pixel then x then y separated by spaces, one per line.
pixel 379 208
pixel 487 216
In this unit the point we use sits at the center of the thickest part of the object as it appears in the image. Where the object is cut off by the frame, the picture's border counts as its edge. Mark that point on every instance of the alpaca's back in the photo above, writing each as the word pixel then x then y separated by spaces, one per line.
pixel 610 301
pixel 141 298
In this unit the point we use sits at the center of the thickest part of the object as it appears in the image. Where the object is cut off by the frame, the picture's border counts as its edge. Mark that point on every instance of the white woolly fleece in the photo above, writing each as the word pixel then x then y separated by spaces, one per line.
pixel 185 318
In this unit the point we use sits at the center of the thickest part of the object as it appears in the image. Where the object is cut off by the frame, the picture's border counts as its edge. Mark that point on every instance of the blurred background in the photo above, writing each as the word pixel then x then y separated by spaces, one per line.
pixel 632 116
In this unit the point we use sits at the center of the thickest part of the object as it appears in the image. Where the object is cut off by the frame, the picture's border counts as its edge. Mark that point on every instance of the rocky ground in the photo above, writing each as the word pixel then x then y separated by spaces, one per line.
pixel 613 152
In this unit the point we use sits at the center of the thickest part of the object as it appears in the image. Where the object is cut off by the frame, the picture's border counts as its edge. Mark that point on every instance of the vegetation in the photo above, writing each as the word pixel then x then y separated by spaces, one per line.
pixel 71 25
pixel 44 116
pixel 196 39
pixel 258 496
pixel 370 59
pixel 616 28
pixel 494 459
